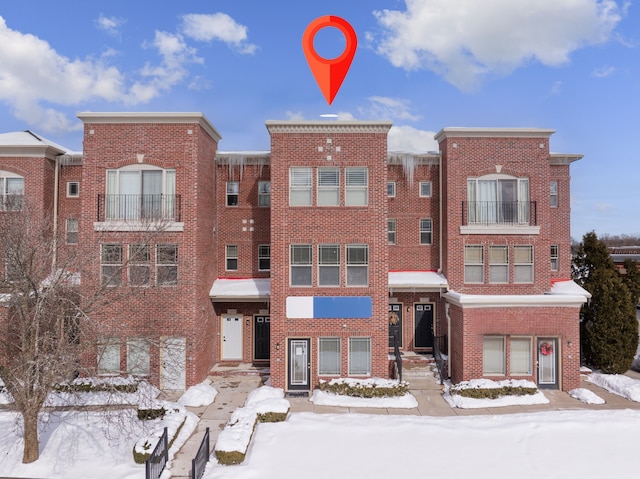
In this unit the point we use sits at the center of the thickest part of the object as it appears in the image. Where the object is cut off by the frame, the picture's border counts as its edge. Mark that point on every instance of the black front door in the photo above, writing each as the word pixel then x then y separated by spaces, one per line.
pixel 423 314
pixel 298 365
pixel 395 324
pixel 261 338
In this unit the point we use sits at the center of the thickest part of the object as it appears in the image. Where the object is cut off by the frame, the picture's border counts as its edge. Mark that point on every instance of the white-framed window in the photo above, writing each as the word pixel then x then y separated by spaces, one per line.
pixel 359 356
pixel 357 265
pixel 167 264
pixel 139 265
pixel 72 231
pixel 493 356
pixel 391 189
pixel 231 257
pixel 391 231
pixel 301 265
pixel 73 189
pixel 474 264
pixel 329 356
pixel 300 189
pixel 357 190
pixel 138 356
pixel 11 191
pixel 328 187
pixel 555 263
pixel 520 362
pixel 108 355
pixel 264 257
pixel 553 194
pixel 425 189
pixel 426 230
pixel 233 190
pixel 137 192
pixel 498 264
pixel 264 194
pixel 328 265
pixel 111 264
pixel 523 264
pixel 498 199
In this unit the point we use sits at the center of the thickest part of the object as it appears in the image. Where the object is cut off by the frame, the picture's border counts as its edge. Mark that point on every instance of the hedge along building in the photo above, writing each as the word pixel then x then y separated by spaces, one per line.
pixel 308 256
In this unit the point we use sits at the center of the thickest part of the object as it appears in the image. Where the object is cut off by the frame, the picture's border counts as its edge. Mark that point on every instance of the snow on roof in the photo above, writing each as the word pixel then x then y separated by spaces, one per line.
pixel 568 287
pixel 28 138
pixel 231 289
pixel 417 280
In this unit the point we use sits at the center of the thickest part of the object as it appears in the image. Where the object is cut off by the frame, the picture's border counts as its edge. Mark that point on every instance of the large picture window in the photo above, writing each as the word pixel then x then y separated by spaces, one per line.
pixel 498 200
pixel 329 356
pixel 301 265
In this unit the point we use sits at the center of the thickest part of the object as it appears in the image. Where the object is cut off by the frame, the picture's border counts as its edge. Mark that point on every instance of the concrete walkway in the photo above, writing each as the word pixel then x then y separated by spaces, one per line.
pixel 232 393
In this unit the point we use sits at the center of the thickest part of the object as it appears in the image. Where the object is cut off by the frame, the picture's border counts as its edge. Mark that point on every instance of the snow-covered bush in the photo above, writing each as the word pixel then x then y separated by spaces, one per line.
pixel 173 420
pixel 487 389
pixel 365 388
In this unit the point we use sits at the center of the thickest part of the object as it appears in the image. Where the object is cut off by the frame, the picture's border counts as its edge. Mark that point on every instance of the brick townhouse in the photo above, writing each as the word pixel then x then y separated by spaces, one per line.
pixel 316 256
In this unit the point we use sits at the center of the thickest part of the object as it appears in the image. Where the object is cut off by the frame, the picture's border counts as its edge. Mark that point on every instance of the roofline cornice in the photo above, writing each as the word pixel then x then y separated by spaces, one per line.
pixel 30 151
pixel 564 158
pixel 318 126
pixel 475 132
pixel 152 117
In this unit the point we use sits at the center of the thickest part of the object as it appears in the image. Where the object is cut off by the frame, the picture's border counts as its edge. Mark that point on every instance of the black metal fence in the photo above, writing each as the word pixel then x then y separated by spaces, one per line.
pixel 397 354
pixel 499 212
pixel 139 207
pixel 439 353
pixel 158 458
pixel 199 462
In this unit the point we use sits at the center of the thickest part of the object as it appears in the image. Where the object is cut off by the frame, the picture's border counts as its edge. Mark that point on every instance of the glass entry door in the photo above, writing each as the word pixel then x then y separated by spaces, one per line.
pixel 299 365
pixel 548 363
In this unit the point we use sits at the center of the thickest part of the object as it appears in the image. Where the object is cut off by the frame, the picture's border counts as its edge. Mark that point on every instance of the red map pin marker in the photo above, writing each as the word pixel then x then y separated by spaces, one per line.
pixel 329 73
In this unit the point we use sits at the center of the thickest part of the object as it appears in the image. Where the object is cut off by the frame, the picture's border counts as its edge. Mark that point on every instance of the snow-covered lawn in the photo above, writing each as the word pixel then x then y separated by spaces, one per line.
pixel 619 384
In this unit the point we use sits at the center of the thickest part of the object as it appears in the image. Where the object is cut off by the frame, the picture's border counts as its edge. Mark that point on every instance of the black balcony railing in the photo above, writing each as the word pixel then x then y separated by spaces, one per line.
pixel 499 213
pixel 139 207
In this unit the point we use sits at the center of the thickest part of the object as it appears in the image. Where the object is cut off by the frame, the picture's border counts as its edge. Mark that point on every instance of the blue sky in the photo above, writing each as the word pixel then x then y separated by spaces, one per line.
pixel 569 65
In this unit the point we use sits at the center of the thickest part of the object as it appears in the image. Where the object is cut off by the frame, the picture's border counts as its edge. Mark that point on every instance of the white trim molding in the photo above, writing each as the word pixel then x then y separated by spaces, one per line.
pixel 469 301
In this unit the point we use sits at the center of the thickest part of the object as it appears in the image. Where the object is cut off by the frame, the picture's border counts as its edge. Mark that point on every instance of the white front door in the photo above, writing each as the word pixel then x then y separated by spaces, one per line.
pixel 231 337
pixel 172 364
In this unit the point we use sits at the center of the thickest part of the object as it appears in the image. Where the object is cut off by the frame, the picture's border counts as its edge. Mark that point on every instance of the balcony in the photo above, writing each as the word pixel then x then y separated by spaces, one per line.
pixel 499 217
pixel 139 208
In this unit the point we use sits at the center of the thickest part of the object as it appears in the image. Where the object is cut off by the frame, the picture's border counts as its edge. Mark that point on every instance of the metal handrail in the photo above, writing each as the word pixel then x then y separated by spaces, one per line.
pixel 158 459
pixel 499 212
pixel 139 207
pixel 199 462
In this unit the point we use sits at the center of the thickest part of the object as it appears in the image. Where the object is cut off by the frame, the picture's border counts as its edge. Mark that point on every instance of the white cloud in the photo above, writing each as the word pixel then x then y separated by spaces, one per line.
pixel 389 108
pixel 603 72
pixel 217 26
pixel 556 88
pixel 294 115
pixel 411 140
pixel 603 207
pixel 467 40
pixel 111 25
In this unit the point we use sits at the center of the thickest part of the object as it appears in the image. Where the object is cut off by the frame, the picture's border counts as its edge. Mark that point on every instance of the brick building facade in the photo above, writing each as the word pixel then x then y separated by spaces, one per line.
pixel 309 257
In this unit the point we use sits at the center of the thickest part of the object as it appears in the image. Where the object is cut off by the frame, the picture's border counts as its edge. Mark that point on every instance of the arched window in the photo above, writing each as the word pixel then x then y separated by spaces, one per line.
pixel 11 191
pixel 498 199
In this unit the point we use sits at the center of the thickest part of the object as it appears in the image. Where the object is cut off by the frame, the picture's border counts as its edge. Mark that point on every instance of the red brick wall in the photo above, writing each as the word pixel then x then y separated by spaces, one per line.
pixel 560 221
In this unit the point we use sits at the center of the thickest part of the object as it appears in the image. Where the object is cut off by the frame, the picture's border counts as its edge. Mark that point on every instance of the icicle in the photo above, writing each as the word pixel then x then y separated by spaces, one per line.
pixel 408 167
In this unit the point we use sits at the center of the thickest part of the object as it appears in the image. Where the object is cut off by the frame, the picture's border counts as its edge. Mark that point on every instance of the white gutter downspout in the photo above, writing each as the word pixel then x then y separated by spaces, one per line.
pixel 446 312
pixel 54 258
pixel 440 210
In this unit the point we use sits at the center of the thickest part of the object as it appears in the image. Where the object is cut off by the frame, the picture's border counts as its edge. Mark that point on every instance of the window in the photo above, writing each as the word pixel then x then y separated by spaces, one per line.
pixel 425 231
pixel 138 357
pixel 108 355
pixel 72 231
pixel 425 189
pixel 231 257
pixel 167 264
pixel 264 194
pixel 520 356
pixel 503 200
pixel 357 192
pixel 139 265
pixel 555 265
pixel 11 191
pixel 391 189
pixel 329 356
pixel 493 357
pixel 328 187
pixel 233 187
pixel 328 265
pixel 301 258
pixel 553 194
pixel 357 265
pixel 391 231
pixel 73 189
pixel 359 356
pixel 300 186
pixel 498 264
pixel 473 264
pixel 135 193
pixel 264 257
pixel 523 264
pixel 111 264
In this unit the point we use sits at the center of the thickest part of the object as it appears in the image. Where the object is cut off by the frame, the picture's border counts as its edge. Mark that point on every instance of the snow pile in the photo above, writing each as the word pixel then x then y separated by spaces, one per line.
pixel 618 384
pixel 174 420
pixel 586 396
pixel 236 435
pixel 265 400
pixel 199 395
pixel 456 400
